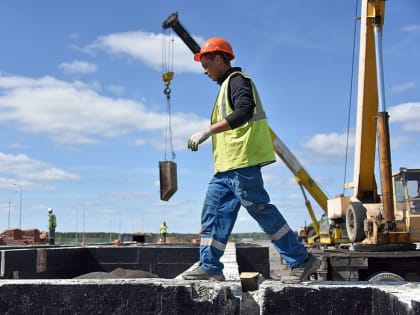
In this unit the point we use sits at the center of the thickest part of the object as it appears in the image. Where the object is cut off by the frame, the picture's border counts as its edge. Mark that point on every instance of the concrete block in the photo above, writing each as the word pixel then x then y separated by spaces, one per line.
pixel 253 258
pixel 339 298
pixel 249 281
pixel 116 296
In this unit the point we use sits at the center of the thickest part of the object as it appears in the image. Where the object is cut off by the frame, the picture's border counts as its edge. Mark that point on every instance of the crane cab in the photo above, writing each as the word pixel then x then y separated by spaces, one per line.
pixel 407 201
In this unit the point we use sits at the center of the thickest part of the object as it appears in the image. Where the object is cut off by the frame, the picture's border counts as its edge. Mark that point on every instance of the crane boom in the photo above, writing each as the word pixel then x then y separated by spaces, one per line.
pixel 173 22
pixel 364 183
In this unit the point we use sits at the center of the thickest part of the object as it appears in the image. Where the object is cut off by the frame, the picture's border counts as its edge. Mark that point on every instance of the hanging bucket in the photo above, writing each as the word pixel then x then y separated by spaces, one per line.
pixel 168 179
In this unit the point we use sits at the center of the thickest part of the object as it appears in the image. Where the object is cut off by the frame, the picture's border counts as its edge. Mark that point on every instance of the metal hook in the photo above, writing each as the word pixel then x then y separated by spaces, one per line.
pixel 167 91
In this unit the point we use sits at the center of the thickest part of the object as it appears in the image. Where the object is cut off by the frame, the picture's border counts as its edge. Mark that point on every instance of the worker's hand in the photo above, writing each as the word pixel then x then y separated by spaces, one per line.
pixel 198 138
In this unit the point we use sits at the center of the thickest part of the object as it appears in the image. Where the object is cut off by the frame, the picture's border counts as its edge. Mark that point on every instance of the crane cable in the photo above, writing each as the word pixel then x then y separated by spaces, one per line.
pixel 167 76
pixel 351 92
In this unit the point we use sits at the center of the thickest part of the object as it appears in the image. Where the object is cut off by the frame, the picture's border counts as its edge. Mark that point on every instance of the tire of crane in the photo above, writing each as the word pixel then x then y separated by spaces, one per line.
pixel 385 277
pixel 355 216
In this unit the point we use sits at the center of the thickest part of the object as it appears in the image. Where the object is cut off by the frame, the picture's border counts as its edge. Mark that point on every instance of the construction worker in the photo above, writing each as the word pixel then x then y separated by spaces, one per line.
pixel 52 224
pixel 241 146
pixel 163 232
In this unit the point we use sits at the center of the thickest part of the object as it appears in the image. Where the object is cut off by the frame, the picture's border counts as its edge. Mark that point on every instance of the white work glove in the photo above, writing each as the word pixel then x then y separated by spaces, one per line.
pixel 198 138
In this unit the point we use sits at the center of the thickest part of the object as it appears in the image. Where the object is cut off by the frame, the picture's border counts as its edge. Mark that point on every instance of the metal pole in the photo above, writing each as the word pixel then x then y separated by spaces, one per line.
pixel 77 222
pixel 379 68
pixel 110 228
pixel 83 235
pixel 20 209
pixel 119 224
pixel 383 133
pixel 8 219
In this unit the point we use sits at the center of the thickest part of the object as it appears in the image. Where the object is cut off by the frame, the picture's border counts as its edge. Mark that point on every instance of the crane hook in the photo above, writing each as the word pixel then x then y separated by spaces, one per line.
pixel 167 91
pixel 167 77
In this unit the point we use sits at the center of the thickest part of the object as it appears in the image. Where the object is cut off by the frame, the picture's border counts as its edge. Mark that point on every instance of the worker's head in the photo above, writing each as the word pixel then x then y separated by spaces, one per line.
pixel 50 210
pixel 215 56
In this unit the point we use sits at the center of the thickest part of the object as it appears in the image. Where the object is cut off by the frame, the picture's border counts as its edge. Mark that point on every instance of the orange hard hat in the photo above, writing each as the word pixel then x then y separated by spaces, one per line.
pixel 215 44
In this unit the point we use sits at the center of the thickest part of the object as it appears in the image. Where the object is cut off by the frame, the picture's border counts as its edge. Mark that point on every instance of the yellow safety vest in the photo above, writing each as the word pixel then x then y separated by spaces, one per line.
pixel 52 221
pixel 248 145
pixel 163 229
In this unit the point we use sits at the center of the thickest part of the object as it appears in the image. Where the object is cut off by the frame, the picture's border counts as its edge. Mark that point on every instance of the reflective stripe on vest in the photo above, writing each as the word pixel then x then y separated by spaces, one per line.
pixel 258 112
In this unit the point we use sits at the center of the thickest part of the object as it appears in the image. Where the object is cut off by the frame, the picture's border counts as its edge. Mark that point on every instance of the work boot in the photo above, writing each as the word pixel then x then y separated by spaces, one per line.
pixel 200 274
pixel 303 271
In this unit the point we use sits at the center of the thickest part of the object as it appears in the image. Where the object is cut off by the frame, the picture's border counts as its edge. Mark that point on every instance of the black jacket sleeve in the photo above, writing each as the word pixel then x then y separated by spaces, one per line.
pixel 242 101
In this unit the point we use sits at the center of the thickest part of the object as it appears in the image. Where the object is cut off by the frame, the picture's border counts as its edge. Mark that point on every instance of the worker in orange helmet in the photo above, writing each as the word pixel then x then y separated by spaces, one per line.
pixel 241 146
pixel 215 44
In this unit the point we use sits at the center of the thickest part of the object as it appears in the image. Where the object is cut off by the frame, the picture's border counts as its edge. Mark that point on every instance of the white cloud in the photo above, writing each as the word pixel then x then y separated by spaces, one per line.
pixel 280 181
pixel 411 28
pixel 116 89
pixel 16 145
pixel 407 114
pixel 22 166
pixel 270 177
pixel 332 144
pixel 78 67
pixel 139 142
pixel 146 47
pixel 74 113
pixel 73 36
pixel 403 87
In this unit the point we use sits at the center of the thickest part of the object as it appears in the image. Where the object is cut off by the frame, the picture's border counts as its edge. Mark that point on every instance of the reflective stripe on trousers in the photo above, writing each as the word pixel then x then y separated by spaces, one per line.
pixel 226 192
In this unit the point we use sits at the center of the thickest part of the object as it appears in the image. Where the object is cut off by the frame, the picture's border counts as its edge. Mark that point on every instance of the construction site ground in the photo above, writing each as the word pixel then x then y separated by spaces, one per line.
pixel 119 292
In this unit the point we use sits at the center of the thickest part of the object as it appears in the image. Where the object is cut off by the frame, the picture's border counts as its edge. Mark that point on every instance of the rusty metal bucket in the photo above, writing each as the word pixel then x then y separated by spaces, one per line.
pixel 168 179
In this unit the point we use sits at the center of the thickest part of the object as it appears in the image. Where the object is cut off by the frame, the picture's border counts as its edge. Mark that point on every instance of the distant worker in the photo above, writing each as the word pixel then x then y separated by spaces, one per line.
pixel 241 146
pixel 163 232
pixel 52 224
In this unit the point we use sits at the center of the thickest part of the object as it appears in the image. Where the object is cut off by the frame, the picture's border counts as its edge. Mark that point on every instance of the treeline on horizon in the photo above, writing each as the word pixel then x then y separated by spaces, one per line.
pixel 107 237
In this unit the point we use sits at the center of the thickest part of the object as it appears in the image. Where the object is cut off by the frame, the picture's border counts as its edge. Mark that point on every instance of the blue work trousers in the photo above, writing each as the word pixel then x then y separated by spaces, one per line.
pixel 226 192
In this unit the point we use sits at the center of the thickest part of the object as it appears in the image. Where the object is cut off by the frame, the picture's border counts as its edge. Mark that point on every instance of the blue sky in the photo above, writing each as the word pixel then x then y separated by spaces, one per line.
pixel 83 114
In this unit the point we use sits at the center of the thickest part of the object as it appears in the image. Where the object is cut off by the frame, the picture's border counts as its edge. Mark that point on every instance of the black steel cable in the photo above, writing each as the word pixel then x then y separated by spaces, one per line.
pixel 351 92
pixel 167 67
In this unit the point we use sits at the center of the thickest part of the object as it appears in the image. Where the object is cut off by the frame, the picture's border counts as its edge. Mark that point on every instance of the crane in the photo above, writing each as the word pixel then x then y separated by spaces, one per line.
pixel 375 221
